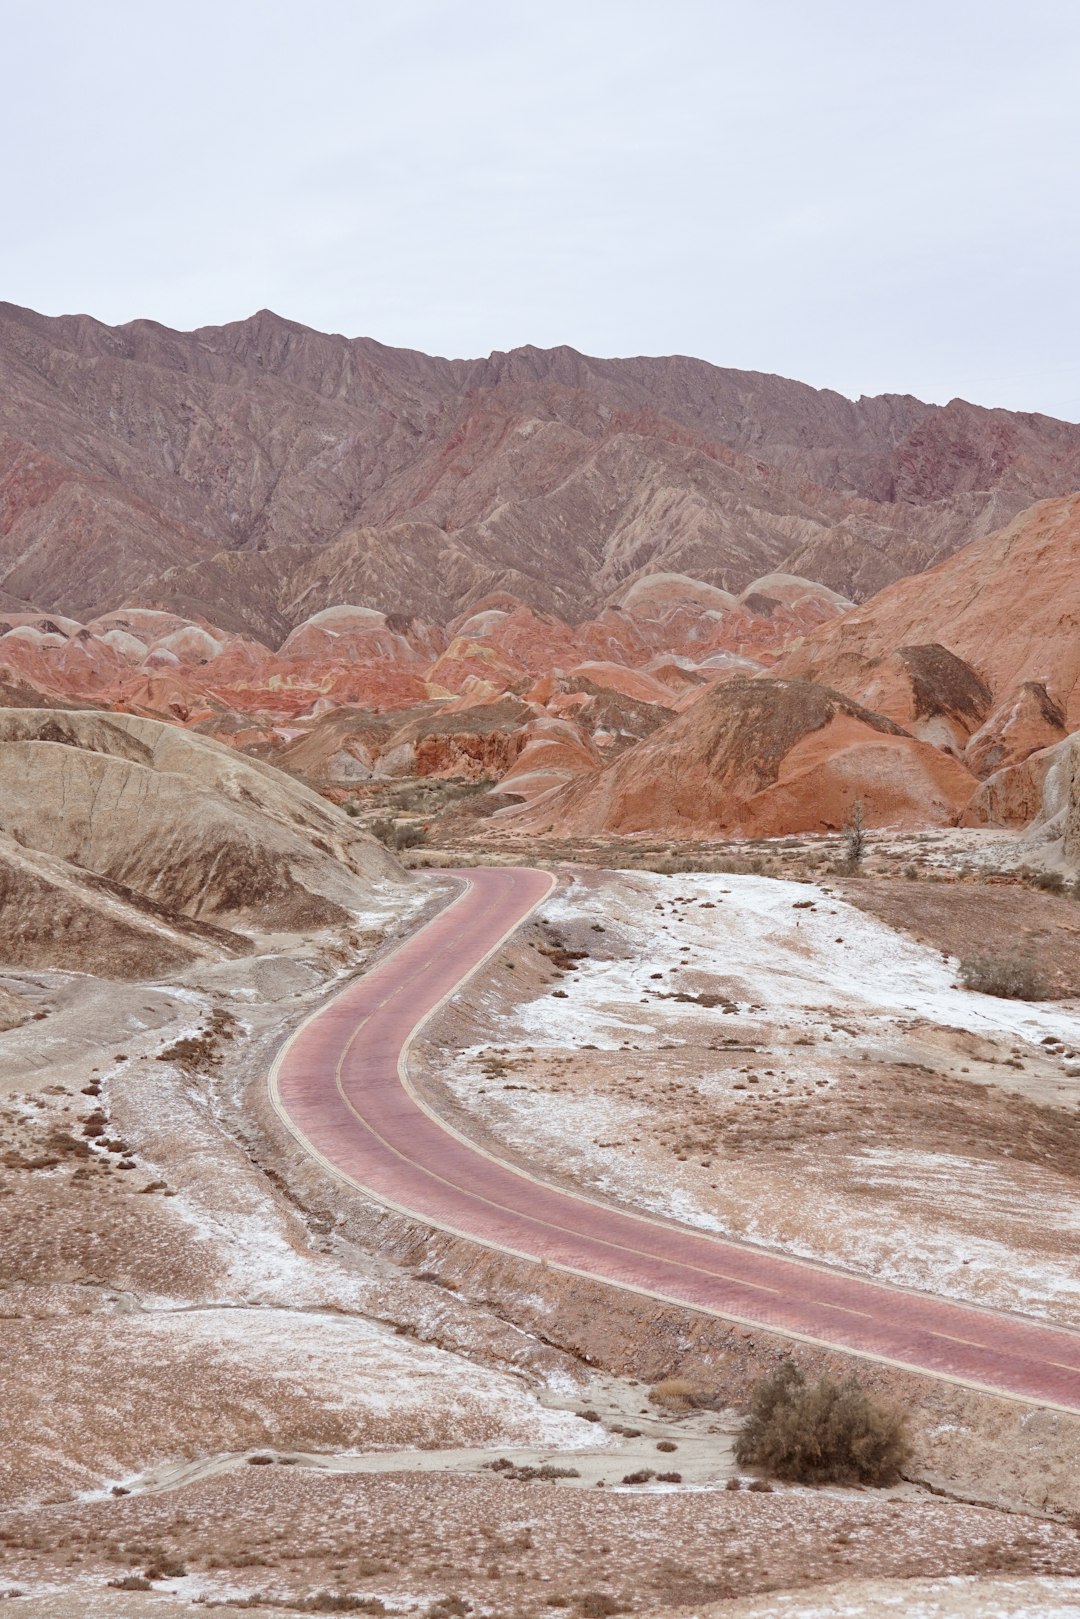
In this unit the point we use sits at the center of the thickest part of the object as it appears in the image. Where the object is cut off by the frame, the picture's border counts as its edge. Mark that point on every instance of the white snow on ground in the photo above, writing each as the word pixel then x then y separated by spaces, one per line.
pixel 971 1227
pixel 790 961
pixel 812 1219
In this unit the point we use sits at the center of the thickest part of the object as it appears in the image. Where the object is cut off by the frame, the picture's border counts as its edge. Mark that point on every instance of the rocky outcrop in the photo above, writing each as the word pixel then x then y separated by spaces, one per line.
pixel 56 915
pixel 764 758
pixel 1027 794
pixel 1007 605
pixel 929 691
pixel 1025 723
pixel 1071 830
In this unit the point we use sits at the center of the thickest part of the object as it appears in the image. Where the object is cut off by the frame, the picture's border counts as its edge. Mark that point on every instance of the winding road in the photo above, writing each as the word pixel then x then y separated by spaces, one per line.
pixel 341 1086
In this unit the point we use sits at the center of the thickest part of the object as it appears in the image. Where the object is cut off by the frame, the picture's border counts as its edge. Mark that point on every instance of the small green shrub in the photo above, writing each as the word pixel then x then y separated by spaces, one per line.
pixel 821 1433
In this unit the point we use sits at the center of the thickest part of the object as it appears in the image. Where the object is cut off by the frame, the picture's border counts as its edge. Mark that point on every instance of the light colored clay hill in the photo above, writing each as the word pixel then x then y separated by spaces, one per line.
pixel 181 822
pixel 1007 605
pixel 256 473
pixel 53 914
pixel 763 758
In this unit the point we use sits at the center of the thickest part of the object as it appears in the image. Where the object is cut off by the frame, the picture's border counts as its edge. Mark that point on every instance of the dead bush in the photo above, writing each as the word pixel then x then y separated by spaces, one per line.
pixel 676 1394
pixel 1013 978
pixel 855 836
pixel 821 1433
pixel 166 1568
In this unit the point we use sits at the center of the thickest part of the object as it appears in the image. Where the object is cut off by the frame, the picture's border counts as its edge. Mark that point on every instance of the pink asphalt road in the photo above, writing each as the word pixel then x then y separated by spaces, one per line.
pixel 341 1086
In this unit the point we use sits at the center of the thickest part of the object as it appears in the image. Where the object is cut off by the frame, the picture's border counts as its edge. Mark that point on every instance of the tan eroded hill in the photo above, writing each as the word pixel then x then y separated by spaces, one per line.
pixel 1008 605
pixel 180 828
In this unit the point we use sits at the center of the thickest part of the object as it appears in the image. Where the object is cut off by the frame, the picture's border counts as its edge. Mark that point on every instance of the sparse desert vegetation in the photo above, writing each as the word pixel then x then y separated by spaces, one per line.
pixel 821 1432
pixel 1012 976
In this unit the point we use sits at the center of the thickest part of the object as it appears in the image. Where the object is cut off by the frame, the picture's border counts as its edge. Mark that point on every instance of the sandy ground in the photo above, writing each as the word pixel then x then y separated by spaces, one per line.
pixel 957 1598
pixel 960 1597
pixel 413 1540
pixel 760 1058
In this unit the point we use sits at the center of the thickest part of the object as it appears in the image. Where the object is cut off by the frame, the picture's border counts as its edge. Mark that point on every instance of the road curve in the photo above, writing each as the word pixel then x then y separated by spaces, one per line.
pixel 340 1085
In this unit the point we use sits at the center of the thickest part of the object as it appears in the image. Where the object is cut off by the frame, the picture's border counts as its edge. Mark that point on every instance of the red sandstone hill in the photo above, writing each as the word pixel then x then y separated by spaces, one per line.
pixel 353 695
pixel 760 758
pixel 1007 605
pixel 254 474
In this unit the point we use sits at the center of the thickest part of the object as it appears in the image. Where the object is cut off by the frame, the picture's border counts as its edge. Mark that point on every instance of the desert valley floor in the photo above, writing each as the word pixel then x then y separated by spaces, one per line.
pixel 364 1414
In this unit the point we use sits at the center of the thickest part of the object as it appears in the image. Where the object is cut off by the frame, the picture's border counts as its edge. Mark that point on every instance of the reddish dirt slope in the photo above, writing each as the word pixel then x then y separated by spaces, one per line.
pixel 1008 605
pixel 762 758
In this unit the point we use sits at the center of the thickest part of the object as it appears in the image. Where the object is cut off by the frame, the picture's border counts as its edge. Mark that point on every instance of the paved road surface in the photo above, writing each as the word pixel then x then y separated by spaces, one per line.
pixel 338 1084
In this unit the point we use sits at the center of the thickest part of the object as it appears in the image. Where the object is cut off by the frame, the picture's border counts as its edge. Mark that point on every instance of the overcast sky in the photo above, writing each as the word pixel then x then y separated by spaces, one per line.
pixel 869 197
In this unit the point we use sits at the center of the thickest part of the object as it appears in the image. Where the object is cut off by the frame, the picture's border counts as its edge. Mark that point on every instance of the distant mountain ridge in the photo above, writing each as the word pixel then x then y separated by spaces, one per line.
pixel 258 472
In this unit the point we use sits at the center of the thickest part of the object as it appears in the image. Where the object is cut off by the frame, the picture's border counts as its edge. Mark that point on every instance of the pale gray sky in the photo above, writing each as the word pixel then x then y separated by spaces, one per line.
pixel 868 196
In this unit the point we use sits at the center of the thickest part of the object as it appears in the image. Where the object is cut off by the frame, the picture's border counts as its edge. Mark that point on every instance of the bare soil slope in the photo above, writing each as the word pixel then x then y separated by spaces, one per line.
pixel 144 826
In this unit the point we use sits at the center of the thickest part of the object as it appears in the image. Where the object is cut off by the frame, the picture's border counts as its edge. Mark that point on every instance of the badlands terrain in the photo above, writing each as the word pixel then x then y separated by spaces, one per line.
pixel 295 631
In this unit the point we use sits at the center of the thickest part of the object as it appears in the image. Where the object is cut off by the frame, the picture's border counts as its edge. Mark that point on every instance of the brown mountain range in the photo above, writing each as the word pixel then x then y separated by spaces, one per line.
pixel 256 473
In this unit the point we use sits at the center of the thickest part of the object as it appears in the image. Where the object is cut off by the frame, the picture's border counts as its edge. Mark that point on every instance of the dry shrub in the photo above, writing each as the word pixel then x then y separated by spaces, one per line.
pixel 821 1433
pixel 1013 978
pixel 398 835
pixel 321 1602
pixel 598 1605
pixel 676 1394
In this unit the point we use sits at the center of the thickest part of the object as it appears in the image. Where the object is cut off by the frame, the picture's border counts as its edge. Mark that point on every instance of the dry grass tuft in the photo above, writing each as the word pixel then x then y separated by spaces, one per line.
pixel 676 1394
